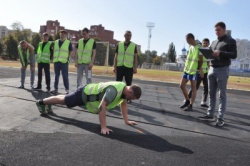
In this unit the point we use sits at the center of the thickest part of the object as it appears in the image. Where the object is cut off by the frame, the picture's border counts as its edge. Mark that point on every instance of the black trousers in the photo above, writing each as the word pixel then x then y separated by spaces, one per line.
pixel 122 71
pixel 46 67
pixel 205 87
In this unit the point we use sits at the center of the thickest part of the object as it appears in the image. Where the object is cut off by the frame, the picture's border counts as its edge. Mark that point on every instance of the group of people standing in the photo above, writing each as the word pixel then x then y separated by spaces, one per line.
pixel 59 51
pixel 213 73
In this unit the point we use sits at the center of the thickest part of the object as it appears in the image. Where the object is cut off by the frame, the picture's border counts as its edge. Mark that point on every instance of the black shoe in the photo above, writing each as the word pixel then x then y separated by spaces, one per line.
pixel 21 87
pixel 207 118
pixel 204 105
pixel 55 92
pixel 188 108
pixel 219 122
pixel 185 104
pixel 38 88
pixel 129 101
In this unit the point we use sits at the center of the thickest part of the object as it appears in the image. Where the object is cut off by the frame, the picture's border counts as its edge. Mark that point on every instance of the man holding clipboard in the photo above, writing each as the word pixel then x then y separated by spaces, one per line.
pixel 224 49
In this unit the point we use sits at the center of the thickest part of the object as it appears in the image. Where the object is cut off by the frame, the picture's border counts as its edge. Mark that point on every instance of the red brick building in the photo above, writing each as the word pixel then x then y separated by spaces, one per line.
pixel 96 31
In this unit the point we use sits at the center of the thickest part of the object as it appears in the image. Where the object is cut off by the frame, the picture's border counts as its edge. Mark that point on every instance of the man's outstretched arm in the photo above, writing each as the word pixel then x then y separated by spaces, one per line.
pixel 124 110
pixel 102 116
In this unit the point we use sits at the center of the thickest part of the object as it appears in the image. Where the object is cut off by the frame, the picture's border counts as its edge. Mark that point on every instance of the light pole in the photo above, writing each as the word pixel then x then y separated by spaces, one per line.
pixel 150 26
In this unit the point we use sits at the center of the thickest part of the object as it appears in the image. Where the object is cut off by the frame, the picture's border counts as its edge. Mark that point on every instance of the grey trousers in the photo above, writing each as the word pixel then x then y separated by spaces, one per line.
pixel 80 69
pixel 23 74
pixel 217 80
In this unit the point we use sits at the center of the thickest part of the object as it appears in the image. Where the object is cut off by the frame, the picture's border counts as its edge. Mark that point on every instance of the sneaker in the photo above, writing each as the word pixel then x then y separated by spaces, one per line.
pixel 41 108
pixel 219 122
pixel 204 105
pixel 48 108
pixel 185 104
pixel 207 118
pixel 32 87
pixel 66 92
pixel 55 92
pixel 188 108
pixel 21 87
pixel 48 91
pixel 38 88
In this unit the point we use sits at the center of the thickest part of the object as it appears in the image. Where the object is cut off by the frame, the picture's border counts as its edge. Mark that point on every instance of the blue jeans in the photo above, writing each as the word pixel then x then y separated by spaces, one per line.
pixel 217 80
pixel 64 67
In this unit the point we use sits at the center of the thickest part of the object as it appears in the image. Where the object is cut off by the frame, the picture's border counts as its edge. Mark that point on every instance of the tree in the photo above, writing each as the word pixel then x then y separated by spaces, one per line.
pixel 36 38
pixel 11 47
pixel 57 36
pixel 1 48
pixel 153 54
pixel 164 57
pixel 157 60
pixel 19 32
pixel 171 55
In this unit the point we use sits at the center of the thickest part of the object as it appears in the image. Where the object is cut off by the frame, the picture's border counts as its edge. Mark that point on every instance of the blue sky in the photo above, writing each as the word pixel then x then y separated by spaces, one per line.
pixel 173 18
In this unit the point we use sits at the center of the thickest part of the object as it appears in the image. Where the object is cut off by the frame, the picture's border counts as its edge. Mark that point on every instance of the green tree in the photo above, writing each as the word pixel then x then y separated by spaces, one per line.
pixel 1 48
pixel 57 36
pixel 142 58
pixel 100 57
pixel 171 55
pixel 153 54
pixel 111 55
pixel 51 38
pixel 19 32
pixel 157 60
pixel 11 47
pixel 36 38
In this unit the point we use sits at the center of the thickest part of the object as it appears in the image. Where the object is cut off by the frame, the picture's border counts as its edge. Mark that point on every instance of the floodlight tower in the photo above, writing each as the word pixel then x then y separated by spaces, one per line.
pixel 150 26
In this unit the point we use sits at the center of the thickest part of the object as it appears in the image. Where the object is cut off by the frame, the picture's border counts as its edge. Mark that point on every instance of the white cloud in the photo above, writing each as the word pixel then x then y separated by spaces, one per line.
pixel 220 2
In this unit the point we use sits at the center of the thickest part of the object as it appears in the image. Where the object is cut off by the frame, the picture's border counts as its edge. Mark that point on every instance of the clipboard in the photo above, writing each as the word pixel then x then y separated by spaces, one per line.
pixel 207 53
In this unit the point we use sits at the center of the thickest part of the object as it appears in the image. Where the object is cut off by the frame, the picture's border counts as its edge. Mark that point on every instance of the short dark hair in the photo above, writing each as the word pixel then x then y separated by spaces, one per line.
pixel 128 32
pixel 221 24
pixel 45 34
pixel 85 30
pixel 136 91
pixel 190 35
pixel 206 39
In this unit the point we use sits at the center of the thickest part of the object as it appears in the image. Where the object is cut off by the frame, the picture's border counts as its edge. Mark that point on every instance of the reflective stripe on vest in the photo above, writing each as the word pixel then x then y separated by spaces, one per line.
pixel 61 54
pixel 85 51
pixel 126 58
pixel 27 54
pixel 191 64
pixel 43 55
pixel 95 89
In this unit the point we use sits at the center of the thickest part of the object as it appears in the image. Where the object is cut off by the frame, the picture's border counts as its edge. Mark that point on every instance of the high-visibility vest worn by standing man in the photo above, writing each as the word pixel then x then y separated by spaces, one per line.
pixel 126 57
pixel 61 54
pixel 96 89
pixel 191 64
pixel 205 65
pixel 27 55
pixel 84 52
pixel 43 56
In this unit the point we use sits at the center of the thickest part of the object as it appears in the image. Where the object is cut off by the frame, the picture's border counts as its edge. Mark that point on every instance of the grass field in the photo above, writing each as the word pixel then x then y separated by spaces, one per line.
pixel 234 82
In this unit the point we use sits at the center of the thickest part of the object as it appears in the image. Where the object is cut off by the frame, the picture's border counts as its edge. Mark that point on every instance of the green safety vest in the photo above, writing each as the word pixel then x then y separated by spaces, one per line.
pixel 191 64
pixel 126 58
pixel 204 65
pixel 43 56
pixel 95 89
pixel 85 51
pixel 61 54
pixel 27 54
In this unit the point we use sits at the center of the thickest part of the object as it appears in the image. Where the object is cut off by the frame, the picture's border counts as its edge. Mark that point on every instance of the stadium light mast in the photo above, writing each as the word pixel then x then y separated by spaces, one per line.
pixel 150 26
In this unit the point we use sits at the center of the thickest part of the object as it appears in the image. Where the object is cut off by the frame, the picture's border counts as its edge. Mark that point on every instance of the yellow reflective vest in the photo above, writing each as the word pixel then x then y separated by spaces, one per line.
pixel 126 58
pixel 27 54
pixel 43 56
pixel 191 64
pixel 84 52
pixel 61 54
pixel 97 88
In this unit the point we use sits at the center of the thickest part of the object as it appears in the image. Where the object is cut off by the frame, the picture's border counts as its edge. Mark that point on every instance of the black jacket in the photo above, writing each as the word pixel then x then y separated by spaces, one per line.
pixel 228 50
